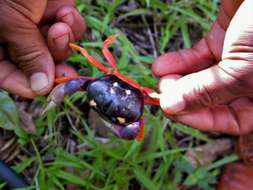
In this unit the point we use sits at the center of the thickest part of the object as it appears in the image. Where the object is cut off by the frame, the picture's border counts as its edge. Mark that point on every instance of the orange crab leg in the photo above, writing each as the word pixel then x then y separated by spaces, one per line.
pixel 141 134
pixel 149 99
pixel 152 101
pixel 91 59
pixel 127 80
pixel 63 79
pixel 152 97
pixel 108 55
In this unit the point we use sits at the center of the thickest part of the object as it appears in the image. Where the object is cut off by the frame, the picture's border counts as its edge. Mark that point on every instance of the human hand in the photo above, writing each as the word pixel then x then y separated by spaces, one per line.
pixel 210 86
pixel 34 35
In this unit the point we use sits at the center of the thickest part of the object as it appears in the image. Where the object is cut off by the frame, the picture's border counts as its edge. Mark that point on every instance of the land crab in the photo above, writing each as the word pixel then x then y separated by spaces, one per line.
pixel 116 98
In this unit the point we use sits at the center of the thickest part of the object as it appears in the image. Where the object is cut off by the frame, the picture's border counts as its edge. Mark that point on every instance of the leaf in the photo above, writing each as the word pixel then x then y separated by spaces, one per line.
pixel 69 177
pixel 144 179
pixel 9 118
pixel 190 131
pixel 24 164
pixel 136 12
pixel 8 113
pixel 97 24
pixel 191 14
pixel 223 161
pixel 185 33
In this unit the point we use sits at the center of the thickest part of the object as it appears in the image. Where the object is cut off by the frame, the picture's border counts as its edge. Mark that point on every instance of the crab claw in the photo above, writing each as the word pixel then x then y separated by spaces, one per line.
pixel 128 132
pixel 55 97
pixel 131 131
pixel 66 88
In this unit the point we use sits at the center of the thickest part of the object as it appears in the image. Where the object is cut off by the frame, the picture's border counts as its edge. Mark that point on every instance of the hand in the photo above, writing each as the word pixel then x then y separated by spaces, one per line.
pixel 210 86
pixel 34 35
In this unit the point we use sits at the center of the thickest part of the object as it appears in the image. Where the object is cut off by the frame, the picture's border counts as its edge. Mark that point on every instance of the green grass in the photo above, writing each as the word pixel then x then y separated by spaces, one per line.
pixel 156 163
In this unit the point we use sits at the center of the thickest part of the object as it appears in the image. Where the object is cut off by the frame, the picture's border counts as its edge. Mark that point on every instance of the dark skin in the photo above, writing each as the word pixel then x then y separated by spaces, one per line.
pixel 34 39
pixel 210 86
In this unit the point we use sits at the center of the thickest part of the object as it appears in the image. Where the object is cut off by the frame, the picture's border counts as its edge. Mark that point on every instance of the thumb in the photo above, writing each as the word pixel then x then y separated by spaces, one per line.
pixel 25 44
pixel 229 79
pixel 204 88
pixel 31 54
pixel 33 57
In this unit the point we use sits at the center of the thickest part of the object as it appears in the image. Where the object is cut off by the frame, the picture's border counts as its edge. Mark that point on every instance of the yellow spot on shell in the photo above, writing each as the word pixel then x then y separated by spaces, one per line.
pixel 92 102
pixel 121 120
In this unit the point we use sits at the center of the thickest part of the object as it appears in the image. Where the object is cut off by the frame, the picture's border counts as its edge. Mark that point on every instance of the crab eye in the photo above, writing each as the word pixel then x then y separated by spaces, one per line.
pixel 121 120
pixel 92 102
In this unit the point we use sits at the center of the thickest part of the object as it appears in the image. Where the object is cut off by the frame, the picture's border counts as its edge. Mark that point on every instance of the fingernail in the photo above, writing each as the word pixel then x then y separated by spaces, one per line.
pixel 38 81
pixel 166 84
pixel 62 41
pixel 172 103
pixel 68 19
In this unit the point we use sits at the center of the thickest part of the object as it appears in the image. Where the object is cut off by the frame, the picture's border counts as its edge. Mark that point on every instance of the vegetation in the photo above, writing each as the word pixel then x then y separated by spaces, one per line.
pixel 64 152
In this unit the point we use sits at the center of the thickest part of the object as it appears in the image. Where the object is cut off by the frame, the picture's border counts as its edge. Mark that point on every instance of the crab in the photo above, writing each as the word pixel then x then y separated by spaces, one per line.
pixel 117 99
